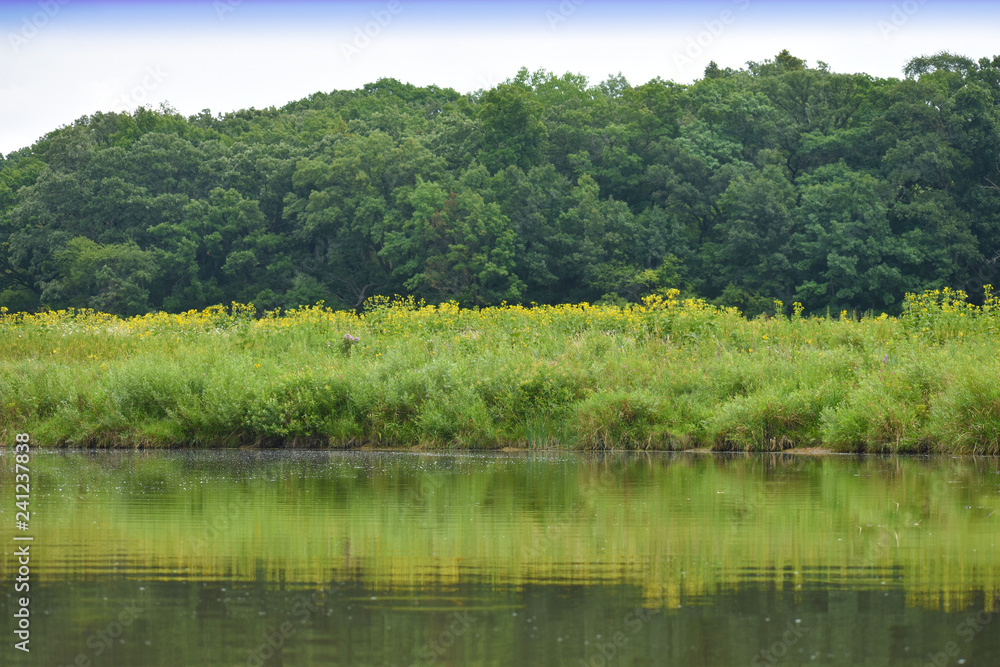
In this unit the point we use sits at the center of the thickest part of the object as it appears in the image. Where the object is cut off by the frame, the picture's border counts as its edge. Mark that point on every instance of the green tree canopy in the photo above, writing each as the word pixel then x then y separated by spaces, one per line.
pixel 778 180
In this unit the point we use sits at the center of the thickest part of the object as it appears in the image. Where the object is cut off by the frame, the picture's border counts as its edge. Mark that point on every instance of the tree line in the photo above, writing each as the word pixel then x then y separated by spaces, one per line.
pixel 774 181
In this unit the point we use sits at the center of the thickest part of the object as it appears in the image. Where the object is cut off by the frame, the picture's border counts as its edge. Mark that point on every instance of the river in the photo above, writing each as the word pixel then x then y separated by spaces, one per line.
pixel 282 558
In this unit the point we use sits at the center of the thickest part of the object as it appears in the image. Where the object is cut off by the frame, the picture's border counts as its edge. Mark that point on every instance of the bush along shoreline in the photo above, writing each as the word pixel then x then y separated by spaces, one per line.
pixel 669 373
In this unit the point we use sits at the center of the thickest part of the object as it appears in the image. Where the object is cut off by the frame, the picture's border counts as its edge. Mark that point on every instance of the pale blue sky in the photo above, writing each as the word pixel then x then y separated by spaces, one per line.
pixel 61 59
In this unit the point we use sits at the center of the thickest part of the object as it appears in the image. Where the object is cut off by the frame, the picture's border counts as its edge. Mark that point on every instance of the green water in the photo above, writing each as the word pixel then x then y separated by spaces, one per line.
pixel 318 558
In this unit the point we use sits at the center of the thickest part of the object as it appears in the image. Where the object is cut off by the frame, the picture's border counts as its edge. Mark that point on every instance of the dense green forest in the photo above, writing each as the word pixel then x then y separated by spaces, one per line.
pixel 776 181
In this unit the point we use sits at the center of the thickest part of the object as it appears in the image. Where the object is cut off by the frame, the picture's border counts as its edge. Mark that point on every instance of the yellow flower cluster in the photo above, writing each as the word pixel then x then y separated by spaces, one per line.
pixel 400 317
pixel 947 313
pixel 389 323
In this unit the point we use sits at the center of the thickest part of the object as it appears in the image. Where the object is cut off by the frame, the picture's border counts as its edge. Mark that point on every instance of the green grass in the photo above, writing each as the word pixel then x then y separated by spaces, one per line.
pixel 667 374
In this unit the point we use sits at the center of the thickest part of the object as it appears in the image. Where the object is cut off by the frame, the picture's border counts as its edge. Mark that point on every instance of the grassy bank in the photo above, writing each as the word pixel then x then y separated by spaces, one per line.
pixel 667 374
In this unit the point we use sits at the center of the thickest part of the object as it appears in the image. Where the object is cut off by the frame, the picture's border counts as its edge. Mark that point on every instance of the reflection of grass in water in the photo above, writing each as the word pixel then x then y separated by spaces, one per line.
pixel 668 373
pixel 487 608
pixel 677 527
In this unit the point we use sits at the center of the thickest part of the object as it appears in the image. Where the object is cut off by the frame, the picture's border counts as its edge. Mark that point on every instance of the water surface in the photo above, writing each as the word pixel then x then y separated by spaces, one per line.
pixel 228 558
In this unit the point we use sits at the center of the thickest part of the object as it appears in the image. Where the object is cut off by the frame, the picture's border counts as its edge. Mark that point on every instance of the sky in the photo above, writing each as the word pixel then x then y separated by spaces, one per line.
pixel 64 59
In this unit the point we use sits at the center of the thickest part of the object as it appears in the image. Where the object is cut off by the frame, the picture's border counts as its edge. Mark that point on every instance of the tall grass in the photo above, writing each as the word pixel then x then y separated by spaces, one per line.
pixel 665 374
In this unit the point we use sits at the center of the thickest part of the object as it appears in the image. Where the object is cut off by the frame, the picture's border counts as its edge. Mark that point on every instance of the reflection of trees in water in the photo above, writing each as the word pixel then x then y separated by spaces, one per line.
pixel 673 525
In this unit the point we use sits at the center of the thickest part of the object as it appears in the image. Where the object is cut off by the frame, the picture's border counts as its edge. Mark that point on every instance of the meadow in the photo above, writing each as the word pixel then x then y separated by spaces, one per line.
pixel 668 373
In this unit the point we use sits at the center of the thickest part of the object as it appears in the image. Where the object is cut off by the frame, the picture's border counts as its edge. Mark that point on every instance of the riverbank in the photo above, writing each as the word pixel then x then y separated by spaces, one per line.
pixel 667 374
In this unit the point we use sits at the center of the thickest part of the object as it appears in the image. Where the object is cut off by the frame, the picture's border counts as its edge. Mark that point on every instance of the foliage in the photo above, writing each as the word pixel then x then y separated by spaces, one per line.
pixel 776 181
pixel 666 373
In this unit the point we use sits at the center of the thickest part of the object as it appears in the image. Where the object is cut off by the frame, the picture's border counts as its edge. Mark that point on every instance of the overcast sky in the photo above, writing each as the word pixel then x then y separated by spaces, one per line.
pixel 62 59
